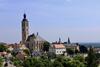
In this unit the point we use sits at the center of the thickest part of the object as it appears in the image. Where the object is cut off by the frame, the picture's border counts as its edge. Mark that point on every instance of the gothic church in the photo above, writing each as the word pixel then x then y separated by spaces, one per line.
pixel 33 42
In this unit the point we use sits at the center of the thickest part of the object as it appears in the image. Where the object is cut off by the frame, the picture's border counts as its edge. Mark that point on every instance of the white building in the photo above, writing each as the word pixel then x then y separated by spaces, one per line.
pixel 57 49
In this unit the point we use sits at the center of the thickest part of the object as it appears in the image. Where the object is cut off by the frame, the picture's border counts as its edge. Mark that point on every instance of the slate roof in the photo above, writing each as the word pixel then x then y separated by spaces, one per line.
pixel 39 38
pixel 31 36
pixel 35 37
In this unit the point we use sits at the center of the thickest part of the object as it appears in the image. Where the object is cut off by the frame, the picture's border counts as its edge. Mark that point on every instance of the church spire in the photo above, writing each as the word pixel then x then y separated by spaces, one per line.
pixel 59 40
pixel 69 41
pixel 24 16
pixel 37 33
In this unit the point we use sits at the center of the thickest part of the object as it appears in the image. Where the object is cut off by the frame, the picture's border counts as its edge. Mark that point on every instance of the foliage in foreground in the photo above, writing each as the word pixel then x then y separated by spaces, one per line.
pixel 3 47
pixel 59 61
pixel 1 61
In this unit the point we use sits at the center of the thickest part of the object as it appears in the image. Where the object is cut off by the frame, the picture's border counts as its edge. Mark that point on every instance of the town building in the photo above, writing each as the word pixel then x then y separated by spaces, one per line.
pixel 69 45
pixel 57 49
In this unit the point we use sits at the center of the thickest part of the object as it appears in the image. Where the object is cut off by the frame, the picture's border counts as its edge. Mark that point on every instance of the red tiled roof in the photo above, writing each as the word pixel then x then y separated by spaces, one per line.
pixel 59 46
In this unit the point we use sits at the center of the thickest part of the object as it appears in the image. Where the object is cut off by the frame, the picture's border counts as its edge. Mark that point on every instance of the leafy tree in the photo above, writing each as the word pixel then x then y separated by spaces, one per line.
pixel 8 51
pixel 44 57
pixel 38 64
pixel 97 56
pixel 14 53
pixel 2 48
pixel 70 51
pixel 33 62
pixel 29 62
pixel 76 51
pixel 46 46
pixel 46 62
pixel 26 51
pixel 83 49
pixel 64 61
pixel 80 58
pixel 91 58
pixel 60 58
pixel 1 62
pixel 51 55
pixel 76 63
pixel 57 64
pixel 60 61
pixel 16 62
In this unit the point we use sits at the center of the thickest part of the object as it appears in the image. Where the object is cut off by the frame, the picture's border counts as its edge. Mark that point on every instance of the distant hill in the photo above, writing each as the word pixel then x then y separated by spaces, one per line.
pixel 91 44
pixel 3 43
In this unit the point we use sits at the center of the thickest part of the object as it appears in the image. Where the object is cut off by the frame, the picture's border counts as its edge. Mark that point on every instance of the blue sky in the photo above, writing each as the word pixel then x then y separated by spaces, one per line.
pixel 77 19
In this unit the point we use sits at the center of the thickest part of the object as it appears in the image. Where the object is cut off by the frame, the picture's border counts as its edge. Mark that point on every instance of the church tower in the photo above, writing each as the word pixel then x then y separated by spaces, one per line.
pixel 25 29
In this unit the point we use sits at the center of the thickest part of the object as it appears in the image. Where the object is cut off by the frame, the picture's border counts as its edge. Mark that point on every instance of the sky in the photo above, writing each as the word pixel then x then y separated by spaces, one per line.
pixel 77 19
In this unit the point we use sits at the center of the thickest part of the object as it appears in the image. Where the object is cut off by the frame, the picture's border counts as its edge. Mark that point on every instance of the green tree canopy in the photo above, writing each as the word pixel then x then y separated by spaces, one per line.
pixel 46 46
pixel 83 49
pixel 33 62
pixel 91 58
pixel 80 58
pixel 76 63
pixel 26 51
pixel 70 51
pixel 3 47
pixel 1 61
pixel 57 64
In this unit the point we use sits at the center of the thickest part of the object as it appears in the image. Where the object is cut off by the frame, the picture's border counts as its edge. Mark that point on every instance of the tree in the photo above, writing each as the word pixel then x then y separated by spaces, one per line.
pixel 97 56
pixel 76 63
pixel 63 61
pixel 46 62
pixel 27 52
pixel 57 64
pixel 79 58
pixel 2 48
pixel 46 46
pixel 60 58
pixel 83 49
pixel 33 62
pixel 1 62
pixel 91 58
pixel 51 55
pixel 70 51
pixel 29 62
pixel 16 62
pixel 14 53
